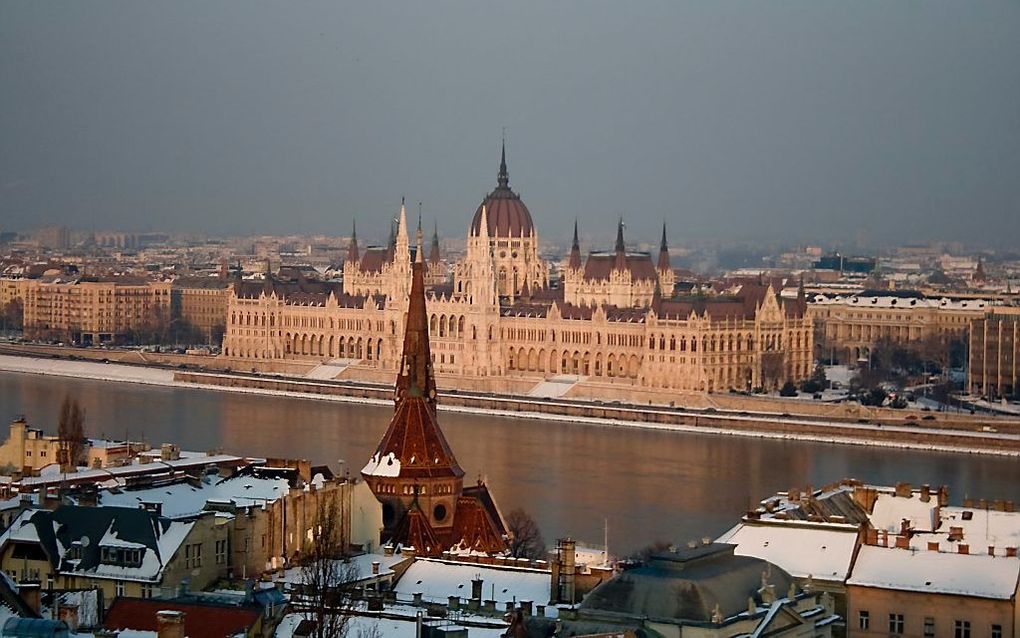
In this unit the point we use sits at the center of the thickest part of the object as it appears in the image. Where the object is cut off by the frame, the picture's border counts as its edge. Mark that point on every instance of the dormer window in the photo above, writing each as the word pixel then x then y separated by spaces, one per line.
pixel 122 556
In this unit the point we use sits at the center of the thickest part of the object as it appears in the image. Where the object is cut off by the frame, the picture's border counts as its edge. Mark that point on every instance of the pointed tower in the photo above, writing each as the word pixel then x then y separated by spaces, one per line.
pixel 402 241
pixel 663 251
pixel 574 263
pixel 503 177
pixel 620 262
pixel 434 257
pixel 413 467
pixel 352 248
pixel 418 235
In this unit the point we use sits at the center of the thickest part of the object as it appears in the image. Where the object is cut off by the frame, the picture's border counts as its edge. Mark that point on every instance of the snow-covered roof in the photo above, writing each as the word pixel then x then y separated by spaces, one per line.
pixel 977 575
pixel 180 500
pixel 437 580
pixel 156 466
pixel 362 566
pixel 388 627
pixel 822 551
pixel 890 511
pixel 983 528
pixel 388 466
pixel 893 301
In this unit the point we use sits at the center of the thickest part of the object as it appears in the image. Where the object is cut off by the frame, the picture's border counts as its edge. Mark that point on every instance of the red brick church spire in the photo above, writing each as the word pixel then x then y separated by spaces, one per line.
pixel 413 472
pixel 415 378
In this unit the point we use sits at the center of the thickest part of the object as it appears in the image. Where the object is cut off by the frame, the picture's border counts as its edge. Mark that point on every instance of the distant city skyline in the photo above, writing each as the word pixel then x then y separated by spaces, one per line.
pixel 800 122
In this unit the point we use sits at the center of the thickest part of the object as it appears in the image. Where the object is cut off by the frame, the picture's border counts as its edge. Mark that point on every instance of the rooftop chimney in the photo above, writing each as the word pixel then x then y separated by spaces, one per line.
pixel 170 624
pixel 69 614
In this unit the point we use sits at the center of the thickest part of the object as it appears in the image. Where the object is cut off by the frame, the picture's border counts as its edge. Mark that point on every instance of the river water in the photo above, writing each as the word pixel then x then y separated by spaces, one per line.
pixel 650 485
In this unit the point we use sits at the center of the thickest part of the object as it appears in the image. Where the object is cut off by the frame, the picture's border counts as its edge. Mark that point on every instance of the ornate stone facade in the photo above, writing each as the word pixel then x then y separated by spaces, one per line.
pixel 614 317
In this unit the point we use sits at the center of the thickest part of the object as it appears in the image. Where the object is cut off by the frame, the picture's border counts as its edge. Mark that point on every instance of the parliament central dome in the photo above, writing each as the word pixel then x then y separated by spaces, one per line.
pixel 507 215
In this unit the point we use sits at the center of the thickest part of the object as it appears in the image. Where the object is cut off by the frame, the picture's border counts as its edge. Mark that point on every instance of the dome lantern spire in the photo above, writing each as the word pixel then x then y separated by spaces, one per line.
pixel 503 178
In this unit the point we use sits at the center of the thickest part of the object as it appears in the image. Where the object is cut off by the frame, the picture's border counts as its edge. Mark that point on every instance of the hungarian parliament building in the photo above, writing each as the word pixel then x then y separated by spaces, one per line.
pixel 496 322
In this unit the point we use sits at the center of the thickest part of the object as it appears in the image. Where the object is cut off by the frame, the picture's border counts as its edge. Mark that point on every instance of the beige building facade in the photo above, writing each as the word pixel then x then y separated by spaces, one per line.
pixel 847 327
pixel 615 317
pixel 84 310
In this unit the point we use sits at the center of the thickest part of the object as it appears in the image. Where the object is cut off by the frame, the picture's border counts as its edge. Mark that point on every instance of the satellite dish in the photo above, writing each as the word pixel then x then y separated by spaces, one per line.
pixel 84 541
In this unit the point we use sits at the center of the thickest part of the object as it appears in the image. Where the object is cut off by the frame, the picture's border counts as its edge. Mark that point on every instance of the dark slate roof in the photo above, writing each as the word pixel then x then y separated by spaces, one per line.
pixel 837 503
pixel 71 523
pixel 686 585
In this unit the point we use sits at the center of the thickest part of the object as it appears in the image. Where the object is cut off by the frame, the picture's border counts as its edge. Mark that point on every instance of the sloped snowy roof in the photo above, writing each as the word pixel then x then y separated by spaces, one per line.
pixel 977 575
pixel 180 500
pixel 823 551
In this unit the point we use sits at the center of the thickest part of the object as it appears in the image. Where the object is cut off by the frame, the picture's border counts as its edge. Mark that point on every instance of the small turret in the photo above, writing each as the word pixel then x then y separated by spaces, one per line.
pixel 663 264
pixel 574 263
pixel 621 248
pixel 434 256
pixel 352 248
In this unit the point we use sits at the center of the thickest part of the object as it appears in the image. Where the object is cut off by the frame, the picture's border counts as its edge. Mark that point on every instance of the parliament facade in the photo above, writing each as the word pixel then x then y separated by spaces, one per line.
pixel 494 315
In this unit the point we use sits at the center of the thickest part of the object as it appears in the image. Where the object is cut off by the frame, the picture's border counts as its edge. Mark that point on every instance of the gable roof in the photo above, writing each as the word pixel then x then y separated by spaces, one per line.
pixel 92 528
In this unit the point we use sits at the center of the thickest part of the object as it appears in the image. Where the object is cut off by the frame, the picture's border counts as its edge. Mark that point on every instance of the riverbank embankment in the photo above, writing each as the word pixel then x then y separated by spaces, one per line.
pixel 1002 439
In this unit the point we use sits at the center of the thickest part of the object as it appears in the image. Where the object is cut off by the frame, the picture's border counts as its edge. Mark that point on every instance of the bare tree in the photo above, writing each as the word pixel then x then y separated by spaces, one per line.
pixel 525 538
pixel 328 575
pixel 71 434
pixel 645 553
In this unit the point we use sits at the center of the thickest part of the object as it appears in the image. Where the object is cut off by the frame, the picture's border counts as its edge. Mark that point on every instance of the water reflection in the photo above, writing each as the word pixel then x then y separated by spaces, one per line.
pixel 650 485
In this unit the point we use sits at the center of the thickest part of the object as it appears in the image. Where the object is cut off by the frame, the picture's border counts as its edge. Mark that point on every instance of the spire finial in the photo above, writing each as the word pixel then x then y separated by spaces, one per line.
pixel 576 245
pixel 504 177
pixel 620 246
pixel 664 251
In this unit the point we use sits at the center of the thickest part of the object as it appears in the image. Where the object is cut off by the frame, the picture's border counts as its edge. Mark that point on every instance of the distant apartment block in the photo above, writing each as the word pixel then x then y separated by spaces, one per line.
pixel 994 352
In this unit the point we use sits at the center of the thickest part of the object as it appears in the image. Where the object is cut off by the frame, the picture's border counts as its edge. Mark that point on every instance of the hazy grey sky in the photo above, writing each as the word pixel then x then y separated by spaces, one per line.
pixel 730 120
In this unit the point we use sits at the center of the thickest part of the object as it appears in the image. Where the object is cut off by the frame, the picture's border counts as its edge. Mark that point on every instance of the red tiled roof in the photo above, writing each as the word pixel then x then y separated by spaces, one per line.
pixel 374 258
pixel 200 621
pixel 598 266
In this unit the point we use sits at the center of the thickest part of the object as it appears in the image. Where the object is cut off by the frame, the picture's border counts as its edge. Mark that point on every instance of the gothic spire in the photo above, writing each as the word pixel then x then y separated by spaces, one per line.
pixel 352 248
pixel 419 236
pixel 415 379
pixel 621 248
pixel 434 256
pixel 575 251
pixel 504 177
pixel 663 251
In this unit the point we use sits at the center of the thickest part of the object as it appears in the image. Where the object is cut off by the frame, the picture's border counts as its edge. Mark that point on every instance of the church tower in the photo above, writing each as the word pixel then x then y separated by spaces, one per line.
pixel 413 472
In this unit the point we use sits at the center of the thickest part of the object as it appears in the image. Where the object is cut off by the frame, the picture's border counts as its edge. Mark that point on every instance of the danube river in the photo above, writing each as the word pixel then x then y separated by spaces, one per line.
pixel 650 485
